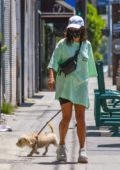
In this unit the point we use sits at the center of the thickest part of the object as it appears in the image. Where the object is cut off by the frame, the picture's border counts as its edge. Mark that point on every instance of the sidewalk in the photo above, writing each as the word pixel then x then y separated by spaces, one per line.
pixel 103 150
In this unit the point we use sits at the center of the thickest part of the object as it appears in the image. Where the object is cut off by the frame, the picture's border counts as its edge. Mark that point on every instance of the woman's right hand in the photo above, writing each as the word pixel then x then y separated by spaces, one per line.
pixel 51 80
pixel 51 84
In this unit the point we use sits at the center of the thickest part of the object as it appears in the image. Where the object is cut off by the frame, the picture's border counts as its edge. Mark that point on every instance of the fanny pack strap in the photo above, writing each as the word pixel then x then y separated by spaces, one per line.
pixel 77 51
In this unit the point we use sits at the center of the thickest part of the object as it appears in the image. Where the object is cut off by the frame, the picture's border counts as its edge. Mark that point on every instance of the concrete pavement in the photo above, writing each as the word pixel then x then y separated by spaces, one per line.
pixel 103 150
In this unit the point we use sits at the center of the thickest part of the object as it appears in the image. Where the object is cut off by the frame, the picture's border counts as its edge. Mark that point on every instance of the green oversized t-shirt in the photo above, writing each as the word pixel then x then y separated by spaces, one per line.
pixel 73 86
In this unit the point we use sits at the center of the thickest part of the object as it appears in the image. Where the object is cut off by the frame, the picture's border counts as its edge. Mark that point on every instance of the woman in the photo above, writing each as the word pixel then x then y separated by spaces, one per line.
pixel 72 89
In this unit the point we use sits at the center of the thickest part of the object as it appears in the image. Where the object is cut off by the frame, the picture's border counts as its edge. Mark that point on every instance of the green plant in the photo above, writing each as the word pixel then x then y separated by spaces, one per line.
pixel 4 47
pixel 95 24
pixel 98 56
pixel 7 108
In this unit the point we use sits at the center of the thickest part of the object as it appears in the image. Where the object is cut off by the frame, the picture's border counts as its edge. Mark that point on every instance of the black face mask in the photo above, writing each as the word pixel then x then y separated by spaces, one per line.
pixel 76 34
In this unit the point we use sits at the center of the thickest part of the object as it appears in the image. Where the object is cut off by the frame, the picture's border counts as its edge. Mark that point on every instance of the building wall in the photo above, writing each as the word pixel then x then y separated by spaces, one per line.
pixel 21 62
pixel 13 53
pixel 10 55
pixel 7 39
pixel 29 48
pixel 18 68
pixel 18 54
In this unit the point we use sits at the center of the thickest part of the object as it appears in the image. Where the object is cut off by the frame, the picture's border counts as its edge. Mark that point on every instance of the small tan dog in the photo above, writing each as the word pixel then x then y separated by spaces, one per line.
pixel 34 142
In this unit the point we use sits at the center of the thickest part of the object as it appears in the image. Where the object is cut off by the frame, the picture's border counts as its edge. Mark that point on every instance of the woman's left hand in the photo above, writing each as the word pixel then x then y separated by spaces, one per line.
pixel 51 84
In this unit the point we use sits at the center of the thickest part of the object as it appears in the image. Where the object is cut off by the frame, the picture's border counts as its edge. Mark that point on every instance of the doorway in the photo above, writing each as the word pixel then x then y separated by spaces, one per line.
pixel 51 33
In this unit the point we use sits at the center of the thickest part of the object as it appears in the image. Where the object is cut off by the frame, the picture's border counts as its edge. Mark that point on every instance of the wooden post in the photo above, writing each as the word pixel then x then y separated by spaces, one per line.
pixel 115 39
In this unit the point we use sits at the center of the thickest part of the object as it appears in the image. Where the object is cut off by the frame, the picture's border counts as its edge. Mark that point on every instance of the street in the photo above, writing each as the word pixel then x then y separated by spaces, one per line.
pixel 103 150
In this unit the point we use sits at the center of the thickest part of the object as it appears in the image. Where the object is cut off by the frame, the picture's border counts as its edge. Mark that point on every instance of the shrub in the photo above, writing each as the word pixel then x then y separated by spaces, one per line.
pixel 7 108
pixel 95 25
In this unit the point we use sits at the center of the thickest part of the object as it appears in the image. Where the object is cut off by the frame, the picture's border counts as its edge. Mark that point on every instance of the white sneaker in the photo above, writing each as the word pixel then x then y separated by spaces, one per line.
pixel 61 153
pixel 82 156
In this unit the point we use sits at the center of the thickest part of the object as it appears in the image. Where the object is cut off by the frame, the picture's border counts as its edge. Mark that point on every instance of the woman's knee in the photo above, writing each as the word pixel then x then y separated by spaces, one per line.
pixel 80 113
pixel 66 112
pixel 66 119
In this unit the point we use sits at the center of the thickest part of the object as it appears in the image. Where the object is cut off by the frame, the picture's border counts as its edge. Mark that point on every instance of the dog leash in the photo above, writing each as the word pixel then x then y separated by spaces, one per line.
pixel 48 122
pixel 34 146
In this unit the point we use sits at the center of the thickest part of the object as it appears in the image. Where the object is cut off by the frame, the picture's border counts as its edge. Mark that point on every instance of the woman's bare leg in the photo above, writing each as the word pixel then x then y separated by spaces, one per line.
pixel 81 127
pixel 64 123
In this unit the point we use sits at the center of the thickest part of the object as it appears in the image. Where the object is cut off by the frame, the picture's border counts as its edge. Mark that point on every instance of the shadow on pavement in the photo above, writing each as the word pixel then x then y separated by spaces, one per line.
pixel 110 145
pixel 38 97
pixel 57 162
pixel 93 131
pixel 27 104
pixel 92 128
pixel 93 134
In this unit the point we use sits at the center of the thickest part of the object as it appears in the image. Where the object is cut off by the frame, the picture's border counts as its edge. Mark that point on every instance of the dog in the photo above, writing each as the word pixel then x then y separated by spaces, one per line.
pixel 34 141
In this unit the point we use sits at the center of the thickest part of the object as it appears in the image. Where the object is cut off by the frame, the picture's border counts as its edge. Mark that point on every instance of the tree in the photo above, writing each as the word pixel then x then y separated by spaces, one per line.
pixel 95 24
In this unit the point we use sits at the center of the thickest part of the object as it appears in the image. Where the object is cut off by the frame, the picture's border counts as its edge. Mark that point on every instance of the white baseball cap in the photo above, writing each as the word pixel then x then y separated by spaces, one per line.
pixel 75 22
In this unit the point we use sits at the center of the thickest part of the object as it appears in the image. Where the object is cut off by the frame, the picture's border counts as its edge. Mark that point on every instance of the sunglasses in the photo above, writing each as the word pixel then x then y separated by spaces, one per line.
pixel 75 34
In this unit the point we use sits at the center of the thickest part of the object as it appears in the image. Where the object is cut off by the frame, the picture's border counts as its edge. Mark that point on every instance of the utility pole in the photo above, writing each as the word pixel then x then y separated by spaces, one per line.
pixel 81 8
pixel 116 43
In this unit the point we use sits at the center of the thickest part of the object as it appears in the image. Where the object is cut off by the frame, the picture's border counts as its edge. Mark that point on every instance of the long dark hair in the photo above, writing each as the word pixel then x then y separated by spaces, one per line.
pixel 69 34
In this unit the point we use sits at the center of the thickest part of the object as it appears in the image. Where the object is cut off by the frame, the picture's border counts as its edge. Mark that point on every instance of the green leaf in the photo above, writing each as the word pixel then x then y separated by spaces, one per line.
pixel 95 24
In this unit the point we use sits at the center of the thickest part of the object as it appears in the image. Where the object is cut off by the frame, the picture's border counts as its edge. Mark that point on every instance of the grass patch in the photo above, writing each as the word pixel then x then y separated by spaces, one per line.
pixel 7 108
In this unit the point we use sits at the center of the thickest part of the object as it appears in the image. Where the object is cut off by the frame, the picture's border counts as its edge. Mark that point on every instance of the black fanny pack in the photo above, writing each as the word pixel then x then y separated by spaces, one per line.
pixel 70 64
